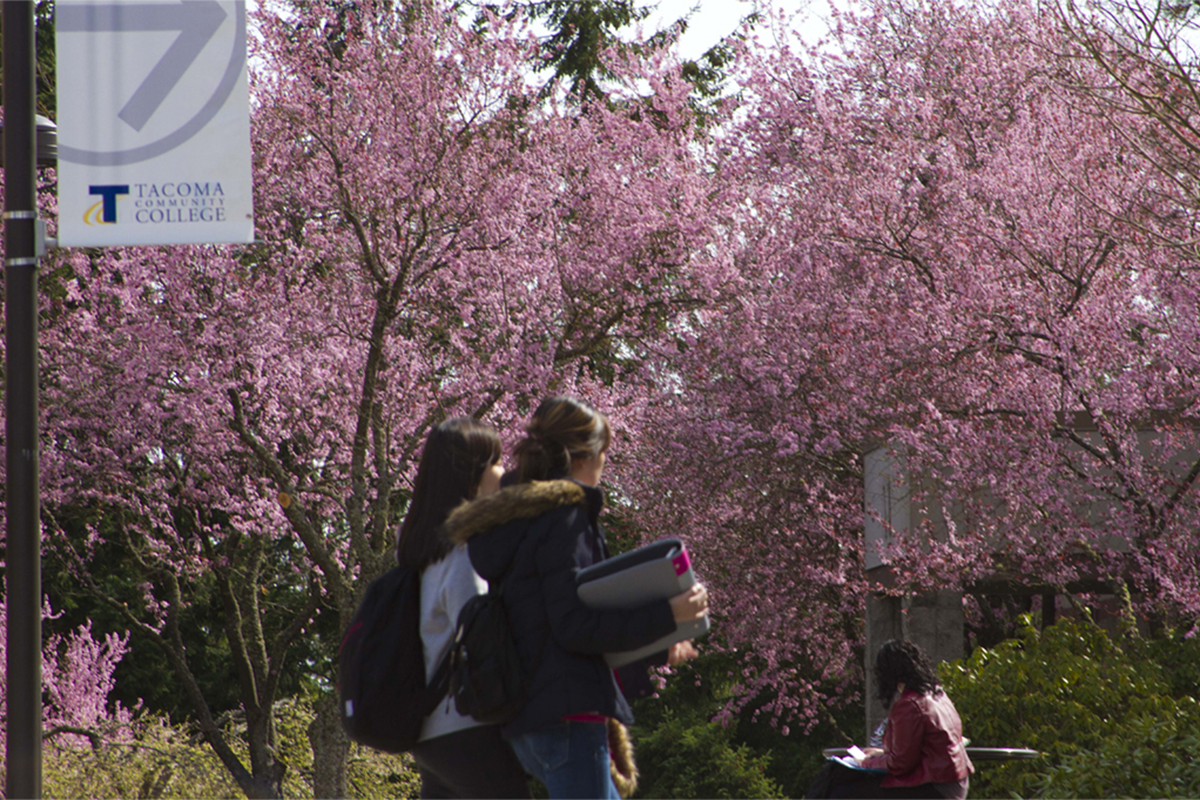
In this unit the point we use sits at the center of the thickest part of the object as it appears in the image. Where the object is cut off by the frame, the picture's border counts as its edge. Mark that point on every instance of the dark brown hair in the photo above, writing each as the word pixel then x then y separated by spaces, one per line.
pixel 562 430
pixel 901 661
pixel 455 456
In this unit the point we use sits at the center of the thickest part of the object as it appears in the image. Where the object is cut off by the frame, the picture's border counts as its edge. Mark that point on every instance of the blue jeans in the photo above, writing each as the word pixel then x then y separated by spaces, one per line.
pixel 571 758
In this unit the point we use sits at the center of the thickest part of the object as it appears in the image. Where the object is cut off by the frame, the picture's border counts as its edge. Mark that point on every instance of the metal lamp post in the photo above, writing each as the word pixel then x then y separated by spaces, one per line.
pixel 47 141
pixel 22 242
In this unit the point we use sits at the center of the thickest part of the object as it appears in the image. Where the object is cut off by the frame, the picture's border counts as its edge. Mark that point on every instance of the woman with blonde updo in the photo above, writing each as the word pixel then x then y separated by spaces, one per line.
pixel 535 537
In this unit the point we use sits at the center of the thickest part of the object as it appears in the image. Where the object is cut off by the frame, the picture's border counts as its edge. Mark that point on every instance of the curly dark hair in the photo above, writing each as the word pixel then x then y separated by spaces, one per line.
pixel 901 661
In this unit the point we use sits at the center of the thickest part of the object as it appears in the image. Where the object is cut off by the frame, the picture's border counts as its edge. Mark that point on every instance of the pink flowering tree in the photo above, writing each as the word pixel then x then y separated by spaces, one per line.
pixel 942 250
pixel 77 676
pixel 1138 59
pixel 436 239
pixel 923 238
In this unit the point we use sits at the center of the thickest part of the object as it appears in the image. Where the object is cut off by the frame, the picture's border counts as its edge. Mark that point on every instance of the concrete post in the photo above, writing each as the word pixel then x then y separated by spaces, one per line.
pixel 933 620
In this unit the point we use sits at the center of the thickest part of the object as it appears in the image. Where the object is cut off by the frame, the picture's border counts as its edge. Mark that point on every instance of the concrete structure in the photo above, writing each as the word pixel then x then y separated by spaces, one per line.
pixel 935 620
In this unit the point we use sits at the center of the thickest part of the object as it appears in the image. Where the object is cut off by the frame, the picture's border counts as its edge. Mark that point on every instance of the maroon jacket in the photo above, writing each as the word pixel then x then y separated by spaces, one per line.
pixel 923 742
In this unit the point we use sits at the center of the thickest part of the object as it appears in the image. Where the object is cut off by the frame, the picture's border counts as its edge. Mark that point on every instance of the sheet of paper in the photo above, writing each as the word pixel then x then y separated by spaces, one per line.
pixel 854 754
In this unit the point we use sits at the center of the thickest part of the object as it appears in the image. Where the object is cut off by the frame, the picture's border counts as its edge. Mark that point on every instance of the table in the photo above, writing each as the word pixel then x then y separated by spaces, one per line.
pixel 1001 753
pixel 974 753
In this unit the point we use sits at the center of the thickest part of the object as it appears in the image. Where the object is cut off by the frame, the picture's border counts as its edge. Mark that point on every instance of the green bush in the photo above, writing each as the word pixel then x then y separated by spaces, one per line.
pixel 682 753
pixel 151 758
pixel 796 757
pixel 1152 756
pixel 1110 719
pixel 369 773
pixel 1081 699
pixel 1179 659
pixel 697 758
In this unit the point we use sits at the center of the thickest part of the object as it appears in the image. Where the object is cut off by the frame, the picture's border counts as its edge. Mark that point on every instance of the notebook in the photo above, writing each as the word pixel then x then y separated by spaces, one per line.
pixel 653 572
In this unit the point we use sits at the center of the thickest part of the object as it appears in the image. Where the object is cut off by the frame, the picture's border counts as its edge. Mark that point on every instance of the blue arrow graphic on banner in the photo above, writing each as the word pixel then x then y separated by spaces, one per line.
pixel 196 21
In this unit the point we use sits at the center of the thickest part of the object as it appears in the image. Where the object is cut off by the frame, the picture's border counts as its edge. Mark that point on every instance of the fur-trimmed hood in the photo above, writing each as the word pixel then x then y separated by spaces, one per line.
pixel 528 542
pixel 506 516
pixel 523 501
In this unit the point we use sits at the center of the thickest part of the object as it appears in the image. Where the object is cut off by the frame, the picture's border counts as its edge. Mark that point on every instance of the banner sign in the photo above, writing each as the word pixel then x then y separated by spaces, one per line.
pixel 153 122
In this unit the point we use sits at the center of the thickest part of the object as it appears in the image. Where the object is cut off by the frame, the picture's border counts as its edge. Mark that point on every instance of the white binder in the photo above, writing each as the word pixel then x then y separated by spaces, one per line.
pixel 656 571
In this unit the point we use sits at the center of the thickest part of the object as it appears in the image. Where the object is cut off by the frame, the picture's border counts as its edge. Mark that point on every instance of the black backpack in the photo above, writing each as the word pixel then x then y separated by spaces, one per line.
pixel 487 680
pixel 381 666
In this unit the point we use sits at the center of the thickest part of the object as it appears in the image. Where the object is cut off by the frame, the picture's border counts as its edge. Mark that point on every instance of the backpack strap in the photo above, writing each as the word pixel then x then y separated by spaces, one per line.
pixel 439 685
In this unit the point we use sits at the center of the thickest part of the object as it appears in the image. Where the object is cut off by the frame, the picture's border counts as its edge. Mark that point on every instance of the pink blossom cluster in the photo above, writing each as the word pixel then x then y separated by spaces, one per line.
pixel 77 676
pixel 945 249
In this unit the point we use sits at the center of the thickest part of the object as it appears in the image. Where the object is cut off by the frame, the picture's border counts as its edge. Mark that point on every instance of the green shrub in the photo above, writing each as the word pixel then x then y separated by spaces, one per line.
pixel 151 758
pixel 1179 659
pixel 1152 756
pixel 155 760
pixel 372 774
pixel 796 757
pixel 696 758
pixel 763 761
pixel 369 773
pixel 1111 720
pixel 1083 701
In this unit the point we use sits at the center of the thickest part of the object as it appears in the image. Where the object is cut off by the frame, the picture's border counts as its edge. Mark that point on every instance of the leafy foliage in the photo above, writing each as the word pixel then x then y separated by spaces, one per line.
pixel 155 759
pixel 1148 757
pixel 682 751
pixel 582 34
pixel 588 42
pixel 370 773
pixel 145 676
pixel 699 759
pixel 43 55
pixel 1096 710
pixel 1178 655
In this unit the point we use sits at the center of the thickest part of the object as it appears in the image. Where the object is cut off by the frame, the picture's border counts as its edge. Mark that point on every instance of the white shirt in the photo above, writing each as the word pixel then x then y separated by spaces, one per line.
pixel 446 586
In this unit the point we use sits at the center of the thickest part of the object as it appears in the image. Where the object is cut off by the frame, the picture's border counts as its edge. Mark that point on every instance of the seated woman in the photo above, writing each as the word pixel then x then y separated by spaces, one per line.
pixel 924 753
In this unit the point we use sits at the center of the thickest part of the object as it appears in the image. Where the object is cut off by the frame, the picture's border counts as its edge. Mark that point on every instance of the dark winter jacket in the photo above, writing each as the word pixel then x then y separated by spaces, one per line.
pixel 542 534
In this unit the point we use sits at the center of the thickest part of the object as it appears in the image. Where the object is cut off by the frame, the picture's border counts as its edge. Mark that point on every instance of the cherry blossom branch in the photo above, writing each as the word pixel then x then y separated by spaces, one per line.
pixel 293 511
pixel 93 737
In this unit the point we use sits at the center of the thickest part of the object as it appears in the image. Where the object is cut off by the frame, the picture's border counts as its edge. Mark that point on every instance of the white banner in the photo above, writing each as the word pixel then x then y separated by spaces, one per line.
pixel 153 122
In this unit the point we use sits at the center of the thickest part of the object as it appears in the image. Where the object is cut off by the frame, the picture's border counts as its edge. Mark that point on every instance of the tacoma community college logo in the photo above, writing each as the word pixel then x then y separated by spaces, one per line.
pixel 159 202
pixel 105 211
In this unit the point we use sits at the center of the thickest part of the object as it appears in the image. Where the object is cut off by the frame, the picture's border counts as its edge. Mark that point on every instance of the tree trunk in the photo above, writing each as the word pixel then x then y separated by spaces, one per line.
pixel 331 749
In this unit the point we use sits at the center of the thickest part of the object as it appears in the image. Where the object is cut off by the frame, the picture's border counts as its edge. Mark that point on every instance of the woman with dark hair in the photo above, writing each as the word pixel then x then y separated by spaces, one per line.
pixel 535 537
pixel 457 756
pixel 924 753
